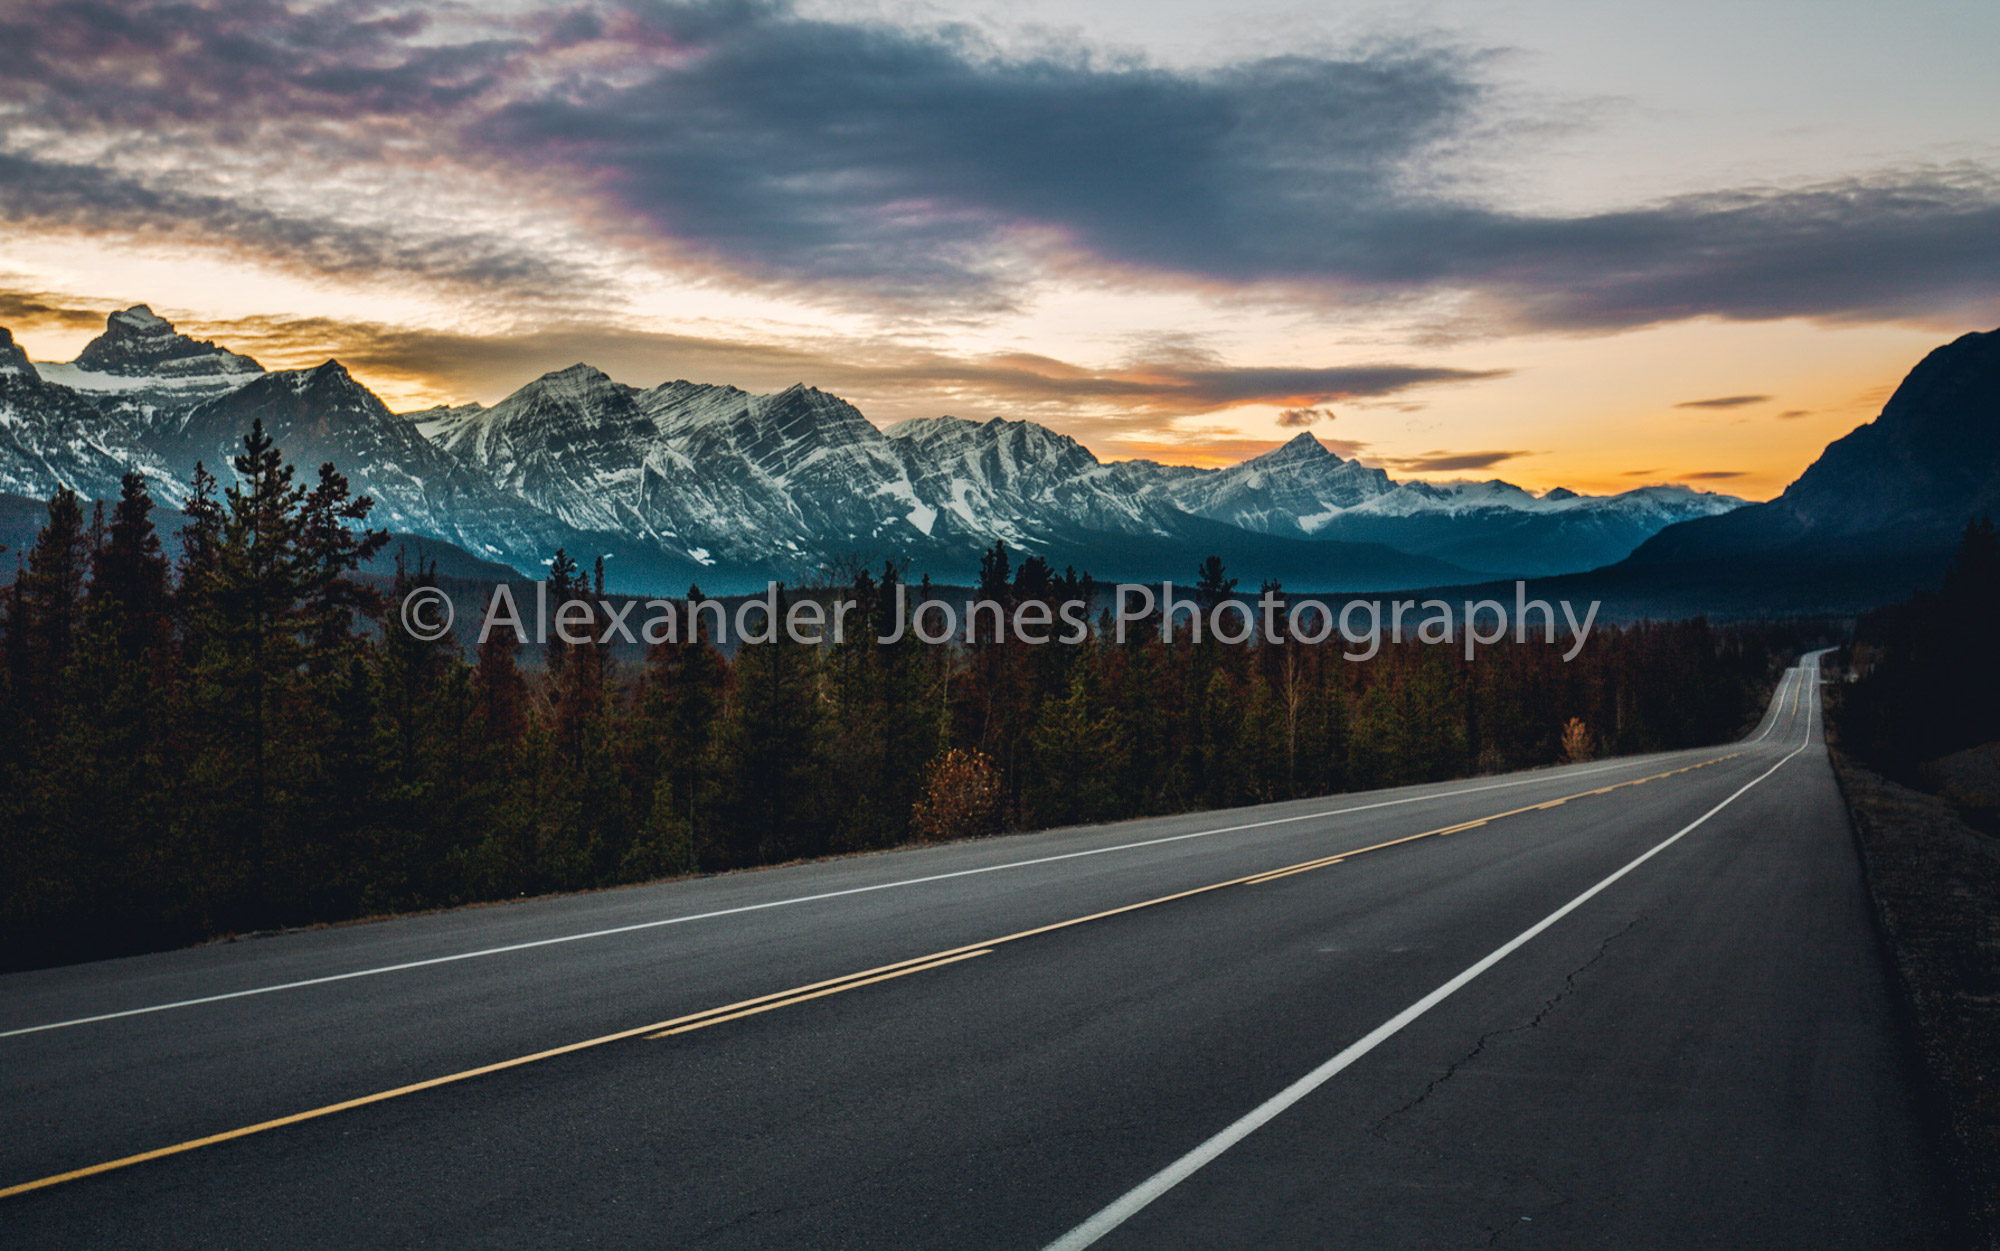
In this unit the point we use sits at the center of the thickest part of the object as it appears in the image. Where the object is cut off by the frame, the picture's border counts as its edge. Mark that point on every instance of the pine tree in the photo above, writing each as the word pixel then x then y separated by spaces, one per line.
pixel 497 858
pixel 128 581
pixel 49 612
pixel 269 602
pixel 49 858
pixel 771 753
pixel 1076 755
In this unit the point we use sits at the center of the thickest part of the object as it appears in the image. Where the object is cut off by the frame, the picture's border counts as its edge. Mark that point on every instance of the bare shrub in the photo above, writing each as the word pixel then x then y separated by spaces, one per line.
pixel 1578 745
pixel 961 798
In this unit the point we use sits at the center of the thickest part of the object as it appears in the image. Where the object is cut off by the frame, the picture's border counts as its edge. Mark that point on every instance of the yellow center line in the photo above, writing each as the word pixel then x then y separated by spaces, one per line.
pixel 1272 875
pixel 663 1028
pixel 783 998
pixel 1317 864
pixel 831 990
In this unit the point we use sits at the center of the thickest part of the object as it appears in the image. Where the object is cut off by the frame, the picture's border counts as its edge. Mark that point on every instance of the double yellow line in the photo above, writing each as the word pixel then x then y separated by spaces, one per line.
pixel 800 994
pixel 1272 875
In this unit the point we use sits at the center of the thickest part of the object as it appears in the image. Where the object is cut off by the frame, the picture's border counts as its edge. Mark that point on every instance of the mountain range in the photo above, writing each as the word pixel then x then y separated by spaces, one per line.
pixel 692 481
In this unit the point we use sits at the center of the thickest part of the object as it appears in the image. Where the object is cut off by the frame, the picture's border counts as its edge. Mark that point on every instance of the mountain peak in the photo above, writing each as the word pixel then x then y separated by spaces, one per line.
pixel 138 341
pixel 800 407
pixel 326 385
pixel 572 386
pixel 328 373
pixel 139 319
pixel 1903 484
pixel 1304 448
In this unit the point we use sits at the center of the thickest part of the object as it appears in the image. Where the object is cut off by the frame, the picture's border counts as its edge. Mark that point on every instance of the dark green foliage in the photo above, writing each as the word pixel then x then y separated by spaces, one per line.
pixel 250 740
pixel 771 796
pixel 1931 675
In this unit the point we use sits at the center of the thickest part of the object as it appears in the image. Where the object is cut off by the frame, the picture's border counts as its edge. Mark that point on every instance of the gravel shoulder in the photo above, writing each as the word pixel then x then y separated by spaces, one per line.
pixel 1935 881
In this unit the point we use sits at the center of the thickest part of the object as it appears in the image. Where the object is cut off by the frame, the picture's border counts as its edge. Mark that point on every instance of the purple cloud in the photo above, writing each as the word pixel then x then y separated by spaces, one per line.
pixel 874 162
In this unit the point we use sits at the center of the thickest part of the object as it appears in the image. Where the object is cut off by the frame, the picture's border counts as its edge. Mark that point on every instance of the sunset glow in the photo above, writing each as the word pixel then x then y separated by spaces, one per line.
pixel 1457 244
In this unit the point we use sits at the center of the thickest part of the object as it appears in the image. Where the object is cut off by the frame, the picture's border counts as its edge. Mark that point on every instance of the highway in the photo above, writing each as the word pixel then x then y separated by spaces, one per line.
pixel 1631 1003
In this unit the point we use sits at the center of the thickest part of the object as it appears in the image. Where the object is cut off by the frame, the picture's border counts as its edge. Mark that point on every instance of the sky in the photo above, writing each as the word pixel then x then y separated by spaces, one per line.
pixel 1586 243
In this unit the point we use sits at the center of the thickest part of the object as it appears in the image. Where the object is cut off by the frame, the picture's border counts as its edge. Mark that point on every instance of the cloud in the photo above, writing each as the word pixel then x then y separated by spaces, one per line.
pixel 103 201
pixel 1450 462
pixel 162 63
pixel 1639 473
pixel 1300 418
pixel 872 155
pixel 31 310
pixel 1916 244
pixel 1725 401
pixel 886 159
pixel 876 156
pixel 1713 475
pixel 864 162
pixel 1790 413
pixel 887 381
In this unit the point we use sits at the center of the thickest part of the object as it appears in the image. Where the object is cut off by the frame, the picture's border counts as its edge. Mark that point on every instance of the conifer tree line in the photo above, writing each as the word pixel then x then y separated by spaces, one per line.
pixel 1929 676
pixel 241 737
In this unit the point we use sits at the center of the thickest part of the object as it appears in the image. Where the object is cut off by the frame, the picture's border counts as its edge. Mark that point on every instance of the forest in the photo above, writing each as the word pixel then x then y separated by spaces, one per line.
pixel 239 737
pixel 1928 673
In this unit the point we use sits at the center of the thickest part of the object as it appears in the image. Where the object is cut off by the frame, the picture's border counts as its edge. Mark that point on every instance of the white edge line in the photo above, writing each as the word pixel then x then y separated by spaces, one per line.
pixel 782 903
pixel 1128 1205
pixel 1778 702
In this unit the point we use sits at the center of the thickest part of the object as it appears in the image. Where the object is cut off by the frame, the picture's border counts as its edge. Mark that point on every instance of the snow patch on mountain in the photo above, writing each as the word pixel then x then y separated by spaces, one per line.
pixel 147 374
pixel 52 437
pixel 688 476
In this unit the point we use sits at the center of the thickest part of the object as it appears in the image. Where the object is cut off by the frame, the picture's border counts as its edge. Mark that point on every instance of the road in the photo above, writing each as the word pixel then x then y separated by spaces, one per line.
pixel 1631 1003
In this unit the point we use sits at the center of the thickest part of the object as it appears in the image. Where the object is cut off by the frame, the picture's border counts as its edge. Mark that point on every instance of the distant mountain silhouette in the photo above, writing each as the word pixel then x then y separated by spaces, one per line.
pixel 1876 517
pixel 1905 482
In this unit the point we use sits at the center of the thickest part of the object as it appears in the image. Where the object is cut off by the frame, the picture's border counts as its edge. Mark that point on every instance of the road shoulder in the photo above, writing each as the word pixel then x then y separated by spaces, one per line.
pixel 1935 883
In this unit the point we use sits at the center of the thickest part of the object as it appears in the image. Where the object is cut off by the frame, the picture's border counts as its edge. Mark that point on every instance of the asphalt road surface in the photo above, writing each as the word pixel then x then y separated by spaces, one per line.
pixel 1632 1003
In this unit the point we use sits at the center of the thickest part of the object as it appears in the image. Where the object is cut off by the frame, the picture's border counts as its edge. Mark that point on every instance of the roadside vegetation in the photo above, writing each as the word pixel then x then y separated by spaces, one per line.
pixel 235 740
pixel 1917 749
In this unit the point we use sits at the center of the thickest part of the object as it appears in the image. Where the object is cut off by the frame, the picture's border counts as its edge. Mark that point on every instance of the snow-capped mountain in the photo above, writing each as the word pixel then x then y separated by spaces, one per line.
pixel 998 474
pixel 1498 526
pixel 793 481
pixel 148 374
pixel 322 415
pixel 690 479
pixel 571 443
pixel 1303 490
pixel 792 484
pixel 1292 490
pixel 51 438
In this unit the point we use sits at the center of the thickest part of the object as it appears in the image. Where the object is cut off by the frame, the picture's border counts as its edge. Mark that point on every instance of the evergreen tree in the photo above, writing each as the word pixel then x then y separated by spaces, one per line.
pixel 1077 755
pixel 49 609
pixel 771 753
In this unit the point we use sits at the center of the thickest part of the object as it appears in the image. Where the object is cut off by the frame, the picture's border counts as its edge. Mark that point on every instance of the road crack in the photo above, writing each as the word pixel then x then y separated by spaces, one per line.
pixel 1541 1014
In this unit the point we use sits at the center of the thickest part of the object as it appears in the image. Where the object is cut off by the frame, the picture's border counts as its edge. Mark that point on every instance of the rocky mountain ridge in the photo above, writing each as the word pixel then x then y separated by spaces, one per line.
pixel 687 480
